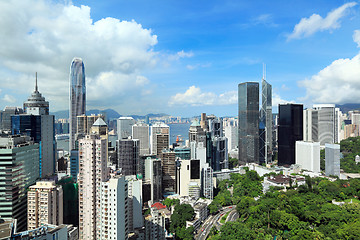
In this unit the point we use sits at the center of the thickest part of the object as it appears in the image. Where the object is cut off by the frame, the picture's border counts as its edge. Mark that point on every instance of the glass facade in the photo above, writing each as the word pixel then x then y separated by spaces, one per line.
pixel 266 120
pixel 248 103
pixel 77 96
pixel 290 130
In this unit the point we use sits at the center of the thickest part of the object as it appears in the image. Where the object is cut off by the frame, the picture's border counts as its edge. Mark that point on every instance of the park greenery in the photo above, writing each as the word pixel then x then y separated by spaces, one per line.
pixel 305 212
pixel 181 214
pixel 349 148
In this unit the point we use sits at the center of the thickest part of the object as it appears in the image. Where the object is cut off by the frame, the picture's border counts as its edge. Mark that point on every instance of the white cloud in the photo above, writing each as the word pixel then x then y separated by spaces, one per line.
pixel 8 98
pixel 337 83
pixel 276 100
pixel 195 97
pixel 44 37
pixel 308 26
pixel 356 37
pixel 180 54
pixel 195 66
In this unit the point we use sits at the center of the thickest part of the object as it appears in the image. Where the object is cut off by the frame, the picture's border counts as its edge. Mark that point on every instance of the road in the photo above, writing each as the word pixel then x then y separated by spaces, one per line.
pixel 214 220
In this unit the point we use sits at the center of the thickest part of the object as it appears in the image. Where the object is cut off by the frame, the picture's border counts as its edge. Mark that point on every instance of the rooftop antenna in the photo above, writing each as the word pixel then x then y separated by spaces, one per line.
pixel 36 86
pixel 264 71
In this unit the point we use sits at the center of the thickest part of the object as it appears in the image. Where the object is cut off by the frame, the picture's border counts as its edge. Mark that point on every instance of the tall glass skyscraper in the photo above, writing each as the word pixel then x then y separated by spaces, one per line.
pixel 248 100
pixel 77 96
pixel 266 121
pixel 290 130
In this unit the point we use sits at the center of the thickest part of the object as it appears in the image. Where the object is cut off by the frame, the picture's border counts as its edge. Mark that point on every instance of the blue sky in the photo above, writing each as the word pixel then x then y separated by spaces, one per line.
pixel 180 57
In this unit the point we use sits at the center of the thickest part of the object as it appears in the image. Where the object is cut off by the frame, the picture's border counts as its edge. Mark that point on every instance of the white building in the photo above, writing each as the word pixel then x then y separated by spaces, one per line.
pixel 326 123
pixel 124 127
pixel 135 203
pixel 155 222
pixel 332 159
pixel 92 172
pixel 157 129
pixel 45 204
pixel 231 133
pixel 114 222
pixel 141 131
pixel 307 154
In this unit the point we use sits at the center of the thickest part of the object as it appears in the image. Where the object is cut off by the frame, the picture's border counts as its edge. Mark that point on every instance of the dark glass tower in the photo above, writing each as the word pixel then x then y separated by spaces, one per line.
pixel 290 130
pixel 77 96
pixel 248 100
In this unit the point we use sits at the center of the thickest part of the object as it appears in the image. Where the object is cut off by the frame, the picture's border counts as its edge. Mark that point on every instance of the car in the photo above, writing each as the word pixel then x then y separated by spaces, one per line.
pixel 230 207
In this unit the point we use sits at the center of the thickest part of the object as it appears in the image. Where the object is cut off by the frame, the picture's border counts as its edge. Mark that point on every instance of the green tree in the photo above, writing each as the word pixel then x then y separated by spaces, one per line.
pixel 181 214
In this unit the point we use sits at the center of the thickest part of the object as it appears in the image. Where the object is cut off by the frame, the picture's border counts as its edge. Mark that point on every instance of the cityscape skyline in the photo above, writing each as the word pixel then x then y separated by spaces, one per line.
pixel 185 66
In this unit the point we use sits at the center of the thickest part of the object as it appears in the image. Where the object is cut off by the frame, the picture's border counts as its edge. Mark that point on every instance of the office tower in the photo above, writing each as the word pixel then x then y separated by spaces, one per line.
pixel 85 123
pixel 168 164
pixel 77 97
pixel 19 164
pixel 326 123
pixel 231 133
pixel 156 129
pixel 124 127
pixel 248 101
pixel 141 131
pixel 113 219
pixel 203 122
pixel 338 124
pixel 216 145
pixel 188 178
pixel 290 130
pixel 37 123
pixel 92 172
pixel 310 121
pixel 332 160
pixel 307 155
pixel 266 120
pixel 127 156
pixel 162 143
pixel 36 104
pixel 45 204
pixel 182 152
pixel 5 117
pixel 153 178
pixel 135 203
pixel 197 133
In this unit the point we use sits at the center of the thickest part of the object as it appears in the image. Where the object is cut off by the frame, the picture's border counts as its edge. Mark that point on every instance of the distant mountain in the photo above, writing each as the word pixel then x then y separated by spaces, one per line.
pixel 110 114
pixel 348 107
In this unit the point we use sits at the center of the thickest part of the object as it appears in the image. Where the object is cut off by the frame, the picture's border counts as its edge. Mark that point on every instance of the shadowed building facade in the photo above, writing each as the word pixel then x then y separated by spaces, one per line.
pixel 248 103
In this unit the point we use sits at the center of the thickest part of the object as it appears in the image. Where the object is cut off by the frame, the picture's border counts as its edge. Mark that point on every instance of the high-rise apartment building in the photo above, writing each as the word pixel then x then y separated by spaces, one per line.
pixel 77 96
pixel 332 160
pixel 113 222
pixel 248 103
pixel 124 127
pixel 266 121
pixel 19 164
pixel 159 129
pixel 45 204
pixel 290 130
pixel 128 156
pixel 141 131
pixel 135 203
pixel 92 172
pixel 85 123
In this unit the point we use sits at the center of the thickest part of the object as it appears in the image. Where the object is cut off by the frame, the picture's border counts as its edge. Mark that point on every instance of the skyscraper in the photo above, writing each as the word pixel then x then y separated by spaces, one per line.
pixel 326 123
pixel 77 96
pixel 248 100
pixel 38 124
pixel 290 130
pixel 124 127
pixel 266 120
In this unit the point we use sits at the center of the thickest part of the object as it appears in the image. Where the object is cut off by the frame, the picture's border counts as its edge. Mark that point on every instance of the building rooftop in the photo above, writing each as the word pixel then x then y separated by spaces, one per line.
pixel 158 205
pixel 99 122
